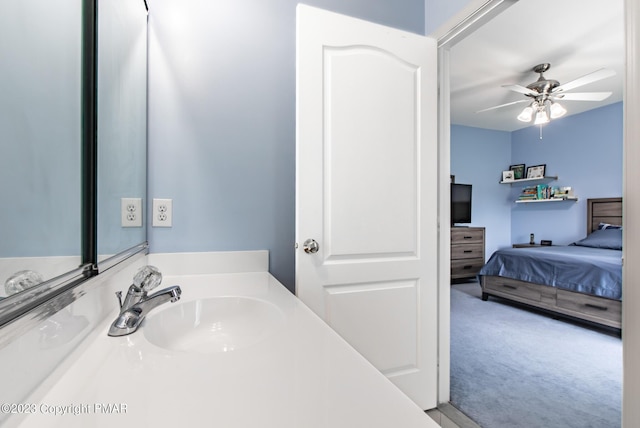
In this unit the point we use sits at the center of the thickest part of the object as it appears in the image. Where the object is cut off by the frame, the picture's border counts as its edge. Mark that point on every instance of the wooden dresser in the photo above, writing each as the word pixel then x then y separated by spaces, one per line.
pixel 467 251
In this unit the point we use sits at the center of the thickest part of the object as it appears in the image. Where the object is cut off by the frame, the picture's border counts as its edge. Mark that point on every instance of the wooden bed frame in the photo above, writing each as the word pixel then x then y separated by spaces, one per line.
pixel 587 307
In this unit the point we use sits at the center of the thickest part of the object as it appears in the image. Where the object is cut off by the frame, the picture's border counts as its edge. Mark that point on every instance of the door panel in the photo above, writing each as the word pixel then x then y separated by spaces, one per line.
pixel 355 310
pixel 358 156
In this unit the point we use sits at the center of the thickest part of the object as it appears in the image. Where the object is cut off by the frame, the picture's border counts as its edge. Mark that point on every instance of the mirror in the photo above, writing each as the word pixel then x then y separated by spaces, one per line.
pixel 73 142
pixel 122 125
pixel 40 135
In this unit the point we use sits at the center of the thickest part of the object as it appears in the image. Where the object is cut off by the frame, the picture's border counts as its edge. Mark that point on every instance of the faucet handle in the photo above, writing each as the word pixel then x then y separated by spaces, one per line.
pixel 147 278
pixel 22 280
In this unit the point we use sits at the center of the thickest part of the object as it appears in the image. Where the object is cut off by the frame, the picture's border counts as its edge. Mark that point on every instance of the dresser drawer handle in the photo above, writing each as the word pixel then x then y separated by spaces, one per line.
pixel 512 287
pixel 467 266
pixel 468 237
pixel 468 251
pixel 592 306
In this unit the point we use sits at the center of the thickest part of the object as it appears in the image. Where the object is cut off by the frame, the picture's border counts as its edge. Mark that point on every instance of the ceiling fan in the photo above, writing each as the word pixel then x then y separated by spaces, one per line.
pixel 543 94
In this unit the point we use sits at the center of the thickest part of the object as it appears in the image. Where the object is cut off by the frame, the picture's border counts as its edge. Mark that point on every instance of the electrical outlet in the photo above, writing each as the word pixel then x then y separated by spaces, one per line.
pixel 131 212
pixel 162 213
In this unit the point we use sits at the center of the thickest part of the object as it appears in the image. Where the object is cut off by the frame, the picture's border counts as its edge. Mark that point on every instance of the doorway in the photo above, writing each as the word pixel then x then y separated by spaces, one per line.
pixel 448 67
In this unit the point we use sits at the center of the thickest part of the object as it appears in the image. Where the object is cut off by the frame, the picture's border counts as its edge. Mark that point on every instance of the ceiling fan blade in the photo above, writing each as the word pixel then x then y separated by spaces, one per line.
pixel 582 96
pixel 503 105
pixel 520 89
pixel 603 73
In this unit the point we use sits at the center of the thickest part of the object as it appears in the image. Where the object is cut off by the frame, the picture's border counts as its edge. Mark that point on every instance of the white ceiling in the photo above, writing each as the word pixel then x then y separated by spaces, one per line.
pixel 576 37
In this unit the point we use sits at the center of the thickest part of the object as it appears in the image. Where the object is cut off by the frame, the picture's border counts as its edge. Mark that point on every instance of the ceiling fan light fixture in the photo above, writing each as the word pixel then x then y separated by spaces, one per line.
pixel 557 110
pixel 541 117
pixel 544 92
pixel 526 115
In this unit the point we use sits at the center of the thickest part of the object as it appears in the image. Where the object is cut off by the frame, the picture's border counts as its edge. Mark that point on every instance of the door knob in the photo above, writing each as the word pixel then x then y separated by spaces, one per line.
pixel 310 246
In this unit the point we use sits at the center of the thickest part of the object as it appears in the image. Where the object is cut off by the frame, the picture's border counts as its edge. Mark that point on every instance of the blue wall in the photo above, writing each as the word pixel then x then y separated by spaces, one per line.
pixel 222 119
pixel 583 150
pixel 478 157
pixel 438 12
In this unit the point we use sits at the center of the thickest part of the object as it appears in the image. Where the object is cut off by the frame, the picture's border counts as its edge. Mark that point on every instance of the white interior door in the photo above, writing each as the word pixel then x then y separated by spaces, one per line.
pixel 367 191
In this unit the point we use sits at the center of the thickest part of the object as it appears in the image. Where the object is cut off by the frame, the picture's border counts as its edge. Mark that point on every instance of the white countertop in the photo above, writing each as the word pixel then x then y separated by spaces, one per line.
pixel 303 375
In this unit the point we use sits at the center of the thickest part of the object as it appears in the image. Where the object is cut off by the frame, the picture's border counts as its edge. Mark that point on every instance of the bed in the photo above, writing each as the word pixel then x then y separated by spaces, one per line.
pixel 582 280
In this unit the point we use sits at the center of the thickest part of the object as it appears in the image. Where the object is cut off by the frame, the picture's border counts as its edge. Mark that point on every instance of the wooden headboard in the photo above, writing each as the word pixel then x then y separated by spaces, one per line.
pixel 603 210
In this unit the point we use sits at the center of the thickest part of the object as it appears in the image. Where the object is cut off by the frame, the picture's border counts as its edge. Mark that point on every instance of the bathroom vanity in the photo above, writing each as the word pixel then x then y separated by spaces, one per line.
pixel 237 350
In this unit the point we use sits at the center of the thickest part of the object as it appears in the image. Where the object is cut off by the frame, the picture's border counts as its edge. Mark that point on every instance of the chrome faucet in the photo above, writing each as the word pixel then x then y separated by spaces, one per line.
pixel 137 304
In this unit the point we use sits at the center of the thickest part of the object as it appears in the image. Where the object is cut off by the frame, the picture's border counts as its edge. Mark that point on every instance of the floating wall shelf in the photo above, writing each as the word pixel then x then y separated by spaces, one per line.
pixel 530 201
pixel 545 179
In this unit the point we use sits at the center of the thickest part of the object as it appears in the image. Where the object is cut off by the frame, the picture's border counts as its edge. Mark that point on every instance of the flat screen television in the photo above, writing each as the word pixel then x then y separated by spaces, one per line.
pixel 460 203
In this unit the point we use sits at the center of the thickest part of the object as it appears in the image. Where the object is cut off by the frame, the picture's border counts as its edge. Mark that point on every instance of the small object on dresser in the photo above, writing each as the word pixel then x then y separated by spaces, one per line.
pixel 545 242
pixel 531 239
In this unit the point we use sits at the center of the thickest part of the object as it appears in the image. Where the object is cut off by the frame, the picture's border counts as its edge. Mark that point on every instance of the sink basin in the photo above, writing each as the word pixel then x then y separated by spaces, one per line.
pixel 217 324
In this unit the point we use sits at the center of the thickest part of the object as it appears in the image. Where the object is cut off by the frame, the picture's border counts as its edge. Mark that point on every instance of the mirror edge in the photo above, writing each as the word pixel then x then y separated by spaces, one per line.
pixel 37 304
pixel 116 259
pixel 89 203
pixel 46 299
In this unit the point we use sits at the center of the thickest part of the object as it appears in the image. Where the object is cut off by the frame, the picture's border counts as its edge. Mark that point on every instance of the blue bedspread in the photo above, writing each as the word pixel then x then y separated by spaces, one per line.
pixel 586 270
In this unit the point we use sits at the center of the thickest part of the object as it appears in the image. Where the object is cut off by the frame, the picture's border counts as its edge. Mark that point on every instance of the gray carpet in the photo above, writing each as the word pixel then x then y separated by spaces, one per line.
pixel 513 368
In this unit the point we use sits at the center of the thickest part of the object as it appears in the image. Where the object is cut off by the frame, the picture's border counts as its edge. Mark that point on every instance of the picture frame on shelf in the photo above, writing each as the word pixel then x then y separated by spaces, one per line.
pixel 518 171
pixel 507 175
pixel 536 171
